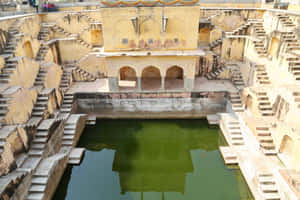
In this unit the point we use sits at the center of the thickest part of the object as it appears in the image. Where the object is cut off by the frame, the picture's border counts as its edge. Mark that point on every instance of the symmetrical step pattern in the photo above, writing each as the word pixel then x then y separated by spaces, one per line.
pixel 235 134
pixel 262 75
pixel 4 102
pixel 214 74
pixel 267 186
pixel 83 75
pixel 40 106
pixel 236 102
pixel 265 140
pixel 42 52
pixel 264 104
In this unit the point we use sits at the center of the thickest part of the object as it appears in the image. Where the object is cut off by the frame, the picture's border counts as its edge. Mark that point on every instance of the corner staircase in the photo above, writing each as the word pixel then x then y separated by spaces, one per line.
pixel 41 76
pixel 40 106
pixel 264 104
pixel 262 75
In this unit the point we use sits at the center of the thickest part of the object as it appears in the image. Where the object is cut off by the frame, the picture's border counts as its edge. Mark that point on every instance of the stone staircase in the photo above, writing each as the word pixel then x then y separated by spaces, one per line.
pixel 4 102
pixel 215 43
pixel 91 120
pixel 259 31
pixel 214 74
pixel 66 79
pixel 261 75
pixel 260 48
pixel 265 140
pixel 41 105
pixel 236 78
pixel 42 52
pixel 83 75
pixel 213 13
pixel 14 38
pixel 235 134
pixel 82 42
pixel 294 67
pixel 236 102
pixel 286 21
pixel 264 104
pixel 297 98
pixel 267 186
pixel 67 104
pixel 8 69
pixel 61 30
pixel 69 134
pixel 291 41
pixel 44 32
pixel 38 186
pixel 41 76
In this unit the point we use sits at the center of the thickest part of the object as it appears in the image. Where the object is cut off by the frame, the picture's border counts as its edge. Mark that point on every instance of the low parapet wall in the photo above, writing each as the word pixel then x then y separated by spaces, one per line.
pixel 151 105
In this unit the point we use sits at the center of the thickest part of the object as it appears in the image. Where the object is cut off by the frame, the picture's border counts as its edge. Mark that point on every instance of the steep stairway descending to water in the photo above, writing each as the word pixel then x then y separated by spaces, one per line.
pixel 42 52
pixel 297 98
pixel 264 104
pixel 267 186
pixel 236 102
pixel 41 76
pixel 262 75
pixel 91 120
pixel 265 140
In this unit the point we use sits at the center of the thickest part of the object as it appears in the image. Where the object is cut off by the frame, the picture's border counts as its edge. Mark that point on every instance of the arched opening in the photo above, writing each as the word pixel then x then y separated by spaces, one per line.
pixel 274 46
pixel 28 49
pixel 174 78
pixel 286 148
pixel 151 78
pixel 96 37
pixel 127 78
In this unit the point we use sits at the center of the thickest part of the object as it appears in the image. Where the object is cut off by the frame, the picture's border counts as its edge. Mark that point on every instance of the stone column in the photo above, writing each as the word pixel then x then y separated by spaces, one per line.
pixel 188 84
pixel 139 84
pixel 113 84
pixel 162 83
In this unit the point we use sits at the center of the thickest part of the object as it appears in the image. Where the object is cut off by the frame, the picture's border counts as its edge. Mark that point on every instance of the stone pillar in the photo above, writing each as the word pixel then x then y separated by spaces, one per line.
pixel 139 84
pixel 188 84
pixel 113 84
pixel 162 83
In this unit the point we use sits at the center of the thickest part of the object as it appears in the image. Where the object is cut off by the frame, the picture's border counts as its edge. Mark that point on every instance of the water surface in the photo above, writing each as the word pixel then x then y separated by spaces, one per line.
pixel 152 160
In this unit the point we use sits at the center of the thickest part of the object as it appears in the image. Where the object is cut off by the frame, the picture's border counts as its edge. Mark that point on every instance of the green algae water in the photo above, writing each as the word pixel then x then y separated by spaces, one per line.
pixel 152 160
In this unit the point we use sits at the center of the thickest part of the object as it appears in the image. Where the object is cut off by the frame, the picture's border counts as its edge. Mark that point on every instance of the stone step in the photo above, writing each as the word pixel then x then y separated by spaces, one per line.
pixel 67 143
pixel 38 146
pixel 39 180
pixel 34 152
pixel 40 140
pixel 35 196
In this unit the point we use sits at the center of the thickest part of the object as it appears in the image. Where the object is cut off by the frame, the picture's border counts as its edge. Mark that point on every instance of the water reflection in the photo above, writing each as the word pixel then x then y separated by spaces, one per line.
pixel 151 159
